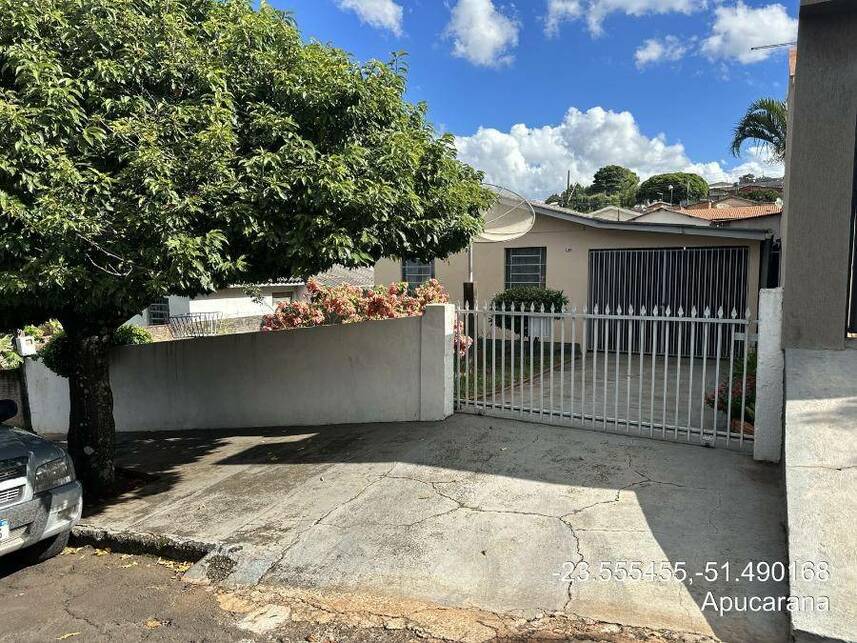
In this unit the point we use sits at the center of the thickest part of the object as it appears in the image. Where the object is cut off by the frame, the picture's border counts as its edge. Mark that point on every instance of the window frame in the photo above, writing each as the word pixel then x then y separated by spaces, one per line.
pixel 404 268
pixel 542 267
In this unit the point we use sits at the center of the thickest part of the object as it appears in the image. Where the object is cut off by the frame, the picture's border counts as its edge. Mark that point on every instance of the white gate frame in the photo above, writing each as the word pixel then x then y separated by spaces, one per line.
pixel 647 364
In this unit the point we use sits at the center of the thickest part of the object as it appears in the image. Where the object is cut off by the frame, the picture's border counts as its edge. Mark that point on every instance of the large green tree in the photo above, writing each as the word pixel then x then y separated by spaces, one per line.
pixel 154 147
pixel 685 187
pixel 765 123
pixel 615 180
pixel 612 185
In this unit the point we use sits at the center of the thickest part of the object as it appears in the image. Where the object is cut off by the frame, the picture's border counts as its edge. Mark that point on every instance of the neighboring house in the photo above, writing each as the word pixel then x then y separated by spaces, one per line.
pixel 747 184
pixel 598 261
pixel 762 184
pixel 755 217
pixel 722 203
pixel 612 213
pixel 238 301
pixel 721 189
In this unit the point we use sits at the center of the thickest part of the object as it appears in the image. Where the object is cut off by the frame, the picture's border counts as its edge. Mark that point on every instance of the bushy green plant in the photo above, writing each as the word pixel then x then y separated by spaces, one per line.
pixel 526 298
pixel 9 357
pixel 57 353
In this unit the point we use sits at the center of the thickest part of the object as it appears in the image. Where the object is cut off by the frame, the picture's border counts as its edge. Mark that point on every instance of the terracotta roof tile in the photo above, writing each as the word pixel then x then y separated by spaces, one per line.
pixel 734 214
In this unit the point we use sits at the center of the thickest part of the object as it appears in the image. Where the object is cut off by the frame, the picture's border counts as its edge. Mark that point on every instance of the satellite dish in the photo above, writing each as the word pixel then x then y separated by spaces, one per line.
pixel 510 217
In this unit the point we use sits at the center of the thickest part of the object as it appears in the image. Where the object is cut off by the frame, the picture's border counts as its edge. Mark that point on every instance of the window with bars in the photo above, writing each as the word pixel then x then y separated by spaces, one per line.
pixel 417 272
pixel 526 267
pixel 159 312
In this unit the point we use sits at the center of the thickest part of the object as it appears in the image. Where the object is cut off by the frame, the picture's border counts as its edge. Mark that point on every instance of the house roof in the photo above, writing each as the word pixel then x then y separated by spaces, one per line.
pixel 733 214
pixel 713 203
pixel 363 277
pixel 667 228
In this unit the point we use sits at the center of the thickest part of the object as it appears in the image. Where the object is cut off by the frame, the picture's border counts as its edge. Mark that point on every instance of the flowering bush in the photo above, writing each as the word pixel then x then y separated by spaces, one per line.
pixel 345 304
pixel 723 395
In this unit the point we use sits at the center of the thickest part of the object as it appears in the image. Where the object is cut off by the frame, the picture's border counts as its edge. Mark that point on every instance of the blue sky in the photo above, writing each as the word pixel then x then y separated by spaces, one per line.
pixel 537 87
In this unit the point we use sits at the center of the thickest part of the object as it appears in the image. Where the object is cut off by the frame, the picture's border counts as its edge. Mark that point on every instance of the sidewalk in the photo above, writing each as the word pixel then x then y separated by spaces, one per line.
pixel 473 512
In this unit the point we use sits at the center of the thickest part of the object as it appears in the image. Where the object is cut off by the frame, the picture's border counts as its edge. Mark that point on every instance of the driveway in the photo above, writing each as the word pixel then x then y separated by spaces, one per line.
pixel 474 512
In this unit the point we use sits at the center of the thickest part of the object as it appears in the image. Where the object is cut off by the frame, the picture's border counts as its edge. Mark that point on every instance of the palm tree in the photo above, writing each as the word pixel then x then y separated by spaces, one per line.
pixel 765 122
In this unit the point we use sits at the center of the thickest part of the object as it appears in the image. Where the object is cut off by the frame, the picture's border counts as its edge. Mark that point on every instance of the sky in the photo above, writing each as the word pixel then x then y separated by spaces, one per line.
pixel 535 88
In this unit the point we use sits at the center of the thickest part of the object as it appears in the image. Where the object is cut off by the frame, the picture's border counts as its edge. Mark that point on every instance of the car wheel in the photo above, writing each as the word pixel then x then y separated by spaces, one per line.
pixel 47 548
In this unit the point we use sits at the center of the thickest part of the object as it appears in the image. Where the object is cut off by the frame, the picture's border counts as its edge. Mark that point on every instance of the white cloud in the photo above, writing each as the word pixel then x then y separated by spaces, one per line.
pixel 560 11
pixel 534 160
pixel 739 28
pixel 596 11
pixel 652 51
pixel 383 14
pixel 481 34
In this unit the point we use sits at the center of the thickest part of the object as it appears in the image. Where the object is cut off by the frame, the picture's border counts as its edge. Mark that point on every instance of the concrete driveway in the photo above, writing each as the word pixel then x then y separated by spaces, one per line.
pixel 473 512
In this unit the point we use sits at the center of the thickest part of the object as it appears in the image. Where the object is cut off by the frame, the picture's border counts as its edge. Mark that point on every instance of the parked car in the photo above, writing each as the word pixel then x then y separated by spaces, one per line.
pixel 40 498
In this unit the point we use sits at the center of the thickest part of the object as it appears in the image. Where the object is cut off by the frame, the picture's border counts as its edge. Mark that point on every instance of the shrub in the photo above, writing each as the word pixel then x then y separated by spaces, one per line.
pixel 9 357
pixel 346 304
pixel 129 335
pixel 723 395
pixel 57 356
pixel 526 298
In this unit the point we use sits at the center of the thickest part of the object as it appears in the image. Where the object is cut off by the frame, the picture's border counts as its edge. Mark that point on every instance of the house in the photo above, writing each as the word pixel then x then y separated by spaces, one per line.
pixel 722 203
pixel 616 263
pixel 750 184
pixel 754 217
pixel 247 302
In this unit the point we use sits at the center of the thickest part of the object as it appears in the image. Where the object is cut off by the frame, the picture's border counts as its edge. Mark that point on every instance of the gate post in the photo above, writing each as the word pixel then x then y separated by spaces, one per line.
pixel 436 362
pixel 768 438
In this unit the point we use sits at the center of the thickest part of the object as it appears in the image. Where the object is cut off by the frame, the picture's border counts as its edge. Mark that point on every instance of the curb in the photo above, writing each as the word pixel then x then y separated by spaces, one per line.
pixel 129 542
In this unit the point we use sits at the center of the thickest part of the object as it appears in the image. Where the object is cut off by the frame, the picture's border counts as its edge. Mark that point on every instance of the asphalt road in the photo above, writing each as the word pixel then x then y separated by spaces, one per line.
pixel 93 595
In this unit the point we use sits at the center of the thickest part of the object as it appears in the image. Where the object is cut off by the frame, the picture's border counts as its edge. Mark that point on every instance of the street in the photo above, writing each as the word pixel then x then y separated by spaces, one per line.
pixel 88 594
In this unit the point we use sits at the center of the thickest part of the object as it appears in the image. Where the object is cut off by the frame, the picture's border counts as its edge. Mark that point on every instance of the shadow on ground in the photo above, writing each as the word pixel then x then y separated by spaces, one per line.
pixel 481 512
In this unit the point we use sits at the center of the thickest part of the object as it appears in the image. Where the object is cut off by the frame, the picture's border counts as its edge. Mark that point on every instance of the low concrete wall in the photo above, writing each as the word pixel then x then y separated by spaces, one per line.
pixel 768 439
pixel 381 371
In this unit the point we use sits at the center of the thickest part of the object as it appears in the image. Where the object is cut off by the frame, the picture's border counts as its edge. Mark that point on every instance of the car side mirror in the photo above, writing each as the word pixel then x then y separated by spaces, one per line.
pixel 8 410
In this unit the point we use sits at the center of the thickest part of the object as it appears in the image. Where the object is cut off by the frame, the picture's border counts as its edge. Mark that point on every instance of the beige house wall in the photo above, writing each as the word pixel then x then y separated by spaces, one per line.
pixel 568 245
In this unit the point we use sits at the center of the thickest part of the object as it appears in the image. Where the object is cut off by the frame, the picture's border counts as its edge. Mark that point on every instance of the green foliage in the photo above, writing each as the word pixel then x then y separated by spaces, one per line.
pixel 34 331
pixel 762 196
pixel 129 335
pixel 614 180
pixel 578 199
pixel 766 124
pixel 154 147
pixel 58 355
pixel 526 298
pixel 613 185
pixel 686 187
pixel 9 357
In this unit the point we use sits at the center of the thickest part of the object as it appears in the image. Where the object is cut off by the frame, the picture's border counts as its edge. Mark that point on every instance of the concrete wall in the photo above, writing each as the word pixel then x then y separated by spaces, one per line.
pixel 10 389
pixel 568 245
pixel 768 439
pixel 819 196
pixel 381 371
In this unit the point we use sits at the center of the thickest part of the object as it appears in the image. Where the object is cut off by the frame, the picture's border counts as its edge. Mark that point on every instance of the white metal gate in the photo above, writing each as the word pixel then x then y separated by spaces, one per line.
pixel 673 375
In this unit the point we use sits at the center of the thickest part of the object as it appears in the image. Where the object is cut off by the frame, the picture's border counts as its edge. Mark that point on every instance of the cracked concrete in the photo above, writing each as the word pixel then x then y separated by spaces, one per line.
pixel 470 513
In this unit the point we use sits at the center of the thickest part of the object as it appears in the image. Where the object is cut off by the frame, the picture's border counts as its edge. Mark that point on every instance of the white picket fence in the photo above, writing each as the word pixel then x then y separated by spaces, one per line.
pixel 682 376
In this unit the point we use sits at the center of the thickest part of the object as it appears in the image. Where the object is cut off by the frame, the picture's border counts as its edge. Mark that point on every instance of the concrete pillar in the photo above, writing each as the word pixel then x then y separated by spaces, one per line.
pixel 768 442
pixel 436 362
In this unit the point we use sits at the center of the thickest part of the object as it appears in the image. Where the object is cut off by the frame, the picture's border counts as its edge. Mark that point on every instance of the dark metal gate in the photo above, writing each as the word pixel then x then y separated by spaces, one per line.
pixel 664 281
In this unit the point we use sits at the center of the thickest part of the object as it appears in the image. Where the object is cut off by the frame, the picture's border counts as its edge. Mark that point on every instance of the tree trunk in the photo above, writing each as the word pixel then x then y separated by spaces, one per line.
pixel 91 430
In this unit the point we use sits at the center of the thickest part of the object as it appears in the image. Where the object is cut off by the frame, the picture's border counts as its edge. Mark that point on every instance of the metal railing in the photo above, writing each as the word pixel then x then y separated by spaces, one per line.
pixel 662 374
pixel 195 325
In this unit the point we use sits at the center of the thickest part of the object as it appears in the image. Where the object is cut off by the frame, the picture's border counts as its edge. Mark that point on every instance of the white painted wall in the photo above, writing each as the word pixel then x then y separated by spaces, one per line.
pixel 380 371
pixel 768 438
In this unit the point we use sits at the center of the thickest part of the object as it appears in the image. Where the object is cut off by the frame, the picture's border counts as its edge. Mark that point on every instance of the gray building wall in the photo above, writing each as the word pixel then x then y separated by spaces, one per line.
pixel 820 186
